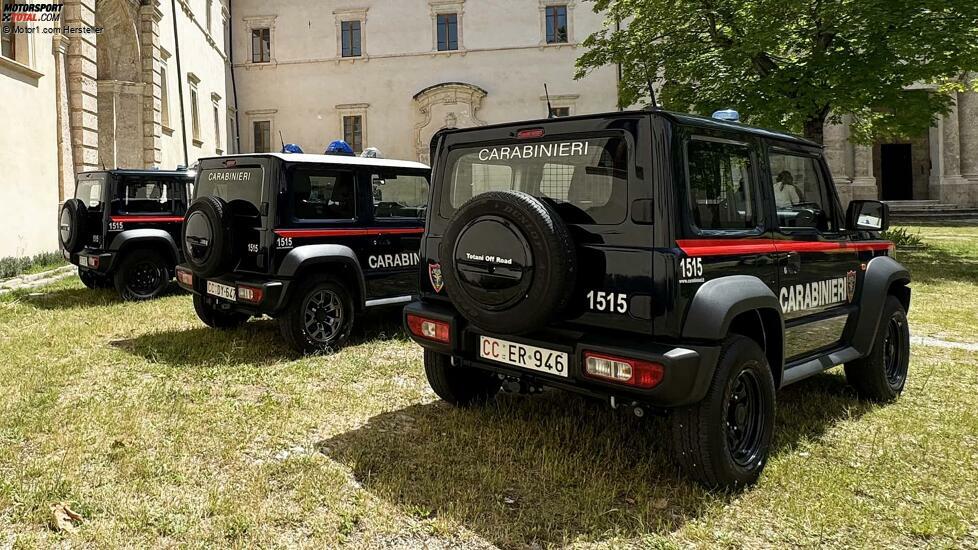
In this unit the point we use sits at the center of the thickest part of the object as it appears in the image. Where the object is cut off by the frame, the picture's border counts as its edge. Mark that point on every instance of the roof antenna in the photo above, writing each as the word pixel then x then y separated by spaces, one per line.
pixel 280 138
pixel 550 110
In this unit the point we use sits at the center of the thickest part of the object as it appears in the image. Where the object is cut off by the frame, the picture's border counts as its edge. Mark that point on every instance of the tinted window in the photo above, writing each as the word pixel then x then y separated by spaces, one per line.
pixel 720 185
pixel 150 196
pixel 323 195
pixel 447 31
pixel 232 184
pixel 399 195
pixel 799 193
pixel 586 180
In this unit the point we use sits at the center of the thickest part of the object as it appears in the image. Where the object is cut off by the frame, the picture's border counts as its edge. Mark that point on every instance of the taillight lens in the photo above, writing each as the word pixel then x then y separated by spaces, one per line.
pixel 429 329
pixel 631 372
pixel 250 294
pixel 530 133
pixel 185 277
pixel 93 262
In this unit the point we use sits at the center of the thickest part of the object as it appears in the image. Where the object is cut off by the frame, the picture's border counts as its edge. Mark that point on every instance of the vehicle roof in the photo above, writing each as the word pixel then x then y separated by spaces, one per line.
pixel 683 119
pixel 141 172
pixel 334 159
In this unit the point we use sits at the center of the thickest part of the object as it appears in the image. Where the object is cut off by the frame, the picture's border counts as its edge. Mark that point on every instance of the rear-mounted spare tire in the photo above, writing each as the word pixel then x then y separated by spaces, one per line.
pixel 71 224
pixel 508 261
pixel 208 236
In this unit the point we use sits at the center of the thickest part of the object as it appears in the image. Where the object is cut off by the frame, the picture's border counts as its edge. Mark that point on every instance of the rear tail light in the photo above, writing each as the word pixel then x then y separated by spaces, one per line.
pixel 93 262
pixel 429 329
pixel 185 277
pixel 631 372
pixel 250 294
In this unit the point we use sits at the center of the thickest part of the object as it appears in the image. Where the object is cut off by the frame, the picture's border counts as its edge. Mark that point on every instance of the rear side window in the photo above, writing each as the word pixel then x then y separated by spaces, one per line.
pixel 151 196
pixel 586 180
pixel 323 195
pixel 720 185
pixel 399 195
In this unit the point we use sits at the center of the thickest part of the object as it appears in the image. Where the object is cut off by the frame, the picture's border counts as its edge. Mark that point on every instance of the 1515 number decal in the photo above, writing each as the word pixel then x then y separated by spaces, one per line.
pixel 607 302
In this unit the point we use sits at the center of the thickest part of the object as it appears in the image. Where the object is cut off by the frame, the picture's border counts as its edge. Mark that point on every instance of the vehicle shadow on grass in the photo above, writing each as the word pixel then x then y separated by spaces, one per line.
pixel 258 341
pixel 554 468
pixel 73 298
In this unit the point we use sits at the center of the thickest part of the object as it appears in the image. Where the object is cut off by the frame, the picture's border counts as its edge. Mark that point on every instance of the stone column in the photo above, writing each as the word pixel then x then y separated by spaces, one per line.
pixel 968 132
pixel 66 163
pixel 149 38
pixel 863 181
pixel 838 153
pixel 949 186
pixel 82 87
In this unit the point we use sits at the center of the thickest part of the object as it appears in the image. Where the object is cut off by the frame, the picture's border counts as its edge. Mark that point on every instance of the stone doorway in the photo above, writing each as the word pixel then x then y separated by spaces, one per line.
pixel 446 105
pixel 902 168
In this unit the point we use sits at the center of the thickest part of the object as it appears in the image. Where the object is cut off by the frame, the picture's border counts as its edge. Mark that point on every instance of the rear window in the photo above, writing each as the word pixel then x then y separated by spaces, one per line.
pixel 232 184
pixel 585 179
pixel 89 191
pixel 150 196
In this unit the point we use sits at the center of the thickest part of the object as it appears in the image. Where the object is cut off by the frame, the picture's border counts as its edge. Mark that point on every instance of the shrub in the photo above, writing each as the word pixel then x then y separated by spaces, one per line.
pixel 903 238
pixel 13 266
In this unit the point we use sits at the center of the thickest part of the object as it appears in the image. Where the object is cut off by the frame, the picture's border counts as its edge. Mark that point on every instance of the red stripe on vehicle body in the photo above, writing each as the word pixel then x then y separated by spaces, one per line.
pixel 729 247
pixel 147 219
pixel 345 232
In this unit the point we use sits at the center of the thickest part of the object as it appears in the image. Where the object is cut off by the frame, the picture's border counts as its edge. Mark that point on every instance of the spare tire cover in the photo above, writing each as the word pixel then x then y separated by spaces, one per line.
pixel 508 261
pixel 71 225
pixel 207 236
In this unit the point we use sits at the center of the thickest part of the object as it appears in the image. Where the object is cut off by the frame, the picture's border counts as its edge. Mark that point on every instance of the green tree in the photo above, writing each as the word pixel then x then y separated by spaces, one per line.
pixel 793 64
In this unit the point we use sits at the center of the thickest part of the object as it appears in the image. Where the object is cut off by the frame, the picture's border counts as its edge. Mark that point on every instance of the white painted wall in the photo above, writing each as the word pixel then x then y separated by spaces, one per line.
pixel 28 153
pixel 201 53
pixel 503 51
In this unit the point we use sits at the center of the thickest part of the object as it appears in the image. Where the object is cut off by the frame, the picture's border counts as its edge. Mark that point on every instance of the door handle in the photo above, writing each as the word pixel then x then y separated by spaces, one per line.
pixel 792 263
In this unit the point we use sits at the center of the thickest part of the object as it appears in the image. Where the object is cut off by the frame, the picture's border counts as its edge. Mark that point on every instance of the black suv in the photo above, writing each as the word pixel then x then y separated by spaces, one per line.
pixel 122 228
pixel 307 239
pixel 658 261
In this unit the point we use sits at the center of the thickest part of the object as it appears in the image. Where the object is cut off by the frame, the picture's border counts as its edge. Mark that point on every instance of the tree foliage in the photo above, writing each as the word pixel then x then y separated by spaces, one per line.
pixel 793 64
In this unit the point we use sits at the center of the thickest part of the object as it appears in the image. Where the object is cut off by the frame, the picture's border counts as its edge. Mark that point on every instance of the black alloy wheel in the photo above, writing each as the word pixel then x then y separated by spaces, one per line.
pixel 323 316
pixel 320 315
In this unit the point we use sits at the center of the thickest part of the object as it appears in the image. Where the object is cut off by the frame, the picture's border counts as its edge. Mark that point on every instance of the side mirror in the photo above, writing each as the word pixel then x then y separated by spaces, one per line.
pixel 868 216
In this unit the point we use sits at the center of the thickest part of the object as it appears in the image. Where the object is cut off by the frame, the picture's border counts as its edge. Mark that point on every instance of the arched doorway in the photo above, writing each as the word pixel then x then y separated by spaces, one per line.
pixel 120 86
pixel 445 105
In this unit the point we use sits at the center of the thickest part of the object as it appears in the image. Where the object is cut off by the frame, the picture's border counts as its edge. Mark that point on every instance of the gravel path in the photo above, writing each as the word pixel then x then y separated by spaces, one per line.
pixel 34 280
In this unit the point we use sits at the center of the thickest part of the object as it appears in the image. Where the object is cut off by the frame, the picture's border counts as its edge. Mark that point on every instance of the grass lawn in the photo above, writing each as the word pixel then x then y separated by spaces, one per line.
pixel 160 432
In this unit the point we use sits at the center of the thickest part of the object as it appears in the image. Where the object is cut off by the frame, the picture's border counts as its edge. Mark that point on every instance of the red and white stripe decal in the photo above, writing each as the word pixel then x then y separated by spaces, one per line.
pixel 731 247
pixel 346 232
pixel 147 219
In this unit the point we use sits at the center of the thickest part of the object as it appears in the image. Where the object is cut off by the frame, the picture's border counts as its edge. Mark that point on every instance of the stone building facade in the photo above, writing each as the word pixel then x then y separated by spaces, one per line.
pixel 123 97
pixel 155 89
pixel 940 165
pixel 389 74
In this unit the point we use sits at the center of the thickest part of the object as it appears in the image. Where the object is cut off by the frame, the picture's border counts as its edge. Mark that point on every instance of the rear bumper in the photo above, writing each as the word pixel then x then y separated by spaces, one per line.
pixel 89 259
pixel 688 369
pixel 273 299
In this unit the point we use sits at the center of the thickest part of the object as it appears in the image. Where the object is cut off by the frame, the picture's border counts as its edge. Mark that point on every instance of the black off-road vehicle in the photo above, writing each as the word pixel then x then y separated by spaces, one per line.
pixel 308 239
pixel 661 262
pixel 122 229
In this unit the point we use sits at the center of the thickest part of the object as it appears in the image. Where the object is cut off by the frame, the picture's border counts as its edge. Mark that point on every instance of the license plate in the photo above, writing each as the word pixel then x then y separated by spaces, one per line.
pixel 222 291
pixel 523 356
